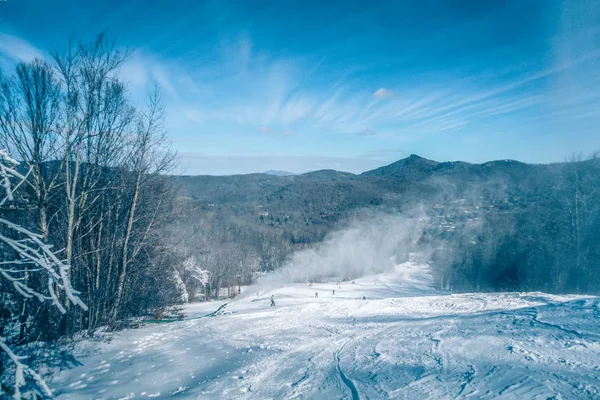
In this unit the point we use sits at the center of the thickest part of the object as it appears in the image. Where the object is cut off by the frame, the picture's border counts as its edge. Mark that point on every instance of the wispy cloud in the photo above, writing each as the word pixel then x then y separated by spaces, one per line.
pixel 246 88
pixel 143 70
pixel 383 93
pixel 249 90
pixel 17 49
pixel 268 94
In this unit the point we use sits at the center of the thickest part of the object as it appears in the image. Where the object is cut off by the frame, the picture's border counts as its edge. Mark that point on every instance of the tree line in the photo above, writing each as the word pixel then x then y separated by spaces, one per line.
pixel 93 189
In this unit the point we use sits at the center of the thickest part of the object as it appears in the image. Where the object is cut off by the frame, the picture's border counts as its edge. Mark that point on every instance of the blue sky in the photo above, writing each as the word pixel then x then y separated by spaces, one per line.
pixel 256 85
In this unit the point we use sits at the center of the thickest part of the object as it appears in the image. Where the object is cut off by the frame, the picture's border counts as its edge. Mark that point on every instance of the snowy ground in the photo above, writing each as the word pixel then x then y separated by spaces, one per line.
pixel 404 341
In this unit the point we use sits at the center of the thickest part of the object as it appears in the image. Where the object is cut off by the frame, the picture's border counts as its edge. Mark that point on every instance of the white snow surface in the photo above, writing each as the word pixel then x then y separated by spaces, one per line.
pixel 405 341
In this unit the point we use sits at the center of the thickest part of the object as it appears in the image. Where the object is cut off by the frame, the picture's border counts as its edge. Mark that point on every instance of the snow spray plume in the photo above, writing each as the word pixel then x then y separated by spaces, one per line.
pixel 371 243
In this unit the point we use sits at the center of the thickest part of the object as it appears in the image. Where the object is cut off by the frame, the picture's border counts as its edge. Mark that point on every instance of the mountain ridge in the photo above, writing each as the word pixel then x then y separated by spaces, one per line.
pixel 411 162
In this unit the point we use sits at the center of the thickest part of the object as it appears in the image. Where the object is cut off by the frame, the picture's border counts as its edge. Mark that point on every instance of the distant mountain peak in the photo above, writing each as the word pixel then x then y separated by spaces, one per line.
pixel 415 157
pixel 412 164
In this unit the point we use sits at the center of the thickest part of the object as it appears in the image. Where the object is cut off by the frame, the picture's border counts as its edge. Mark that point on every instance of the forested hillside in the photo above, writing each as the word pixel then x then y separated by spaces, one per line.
pixel 501 225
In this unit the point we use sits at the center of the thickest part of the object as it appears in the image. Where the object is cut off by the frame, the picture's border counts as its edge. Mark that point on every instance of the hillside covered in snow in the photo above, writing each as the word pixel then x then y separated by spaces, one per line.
pixel 383 336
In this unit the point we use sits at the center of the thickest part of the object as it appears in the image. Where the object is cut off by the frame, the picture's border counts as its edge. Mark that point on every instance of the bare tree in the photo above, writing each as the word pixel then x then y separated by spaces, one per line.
pixel 148 158
pixel 29 110
pixel 94 118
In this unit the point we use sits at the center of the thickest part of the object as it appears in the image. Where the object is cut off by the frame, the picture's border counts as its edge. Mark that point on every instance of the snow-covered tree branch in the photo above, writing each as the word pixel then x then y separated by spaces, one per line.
pixel 21 371
pixel 32 258
pixel 195 271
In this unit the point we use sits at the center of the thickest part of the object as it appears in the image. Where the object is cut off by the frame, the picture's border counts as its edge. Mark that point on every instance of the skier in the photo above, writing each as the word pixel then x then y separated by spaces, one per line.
pixel 316 294
pixel 334 292
pixel 272 300
pixel 364 298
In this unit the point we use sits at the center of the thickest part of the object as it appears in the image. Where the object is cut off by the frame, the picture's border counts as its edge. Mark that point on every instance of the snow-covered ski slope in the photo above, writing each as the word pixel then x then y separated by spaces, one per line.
pixel 405 341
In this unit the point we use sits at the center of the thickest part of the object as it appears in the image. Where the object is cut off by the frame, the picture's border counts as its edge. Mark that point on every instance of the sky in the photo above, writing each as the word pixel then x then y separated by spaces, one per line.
pixel 252 85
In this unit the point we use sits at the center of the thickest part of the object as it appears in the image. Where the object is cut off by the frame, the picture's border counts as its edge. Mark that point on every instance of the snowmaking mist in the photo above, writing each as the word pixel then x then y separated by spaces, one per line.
pixel 372 242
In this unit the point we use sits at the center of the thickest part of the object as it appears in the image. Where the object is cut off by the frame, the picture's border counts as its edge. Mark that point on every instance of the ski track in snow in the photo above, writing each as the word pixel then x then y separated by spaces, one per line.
pixel 349 384
pixel 405 341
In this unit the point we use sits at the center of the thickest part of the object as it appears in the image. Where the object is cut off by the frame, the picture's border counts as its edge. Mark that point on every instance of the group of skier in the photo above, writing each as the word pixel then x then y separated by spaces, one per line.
pixel 316 296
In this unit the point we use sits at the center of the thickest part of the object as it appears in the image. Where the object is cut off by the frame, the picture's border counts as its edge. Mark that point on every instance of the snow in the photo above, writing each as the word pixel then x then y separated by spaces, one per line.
pixel 404 341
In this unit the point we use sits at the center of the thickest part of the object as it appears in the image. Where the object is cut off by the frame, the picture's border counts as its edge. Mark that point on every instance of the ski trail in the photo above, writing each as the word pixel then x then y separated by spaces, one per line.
pixel 440 355
pixel 412 344
pixel 349 384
